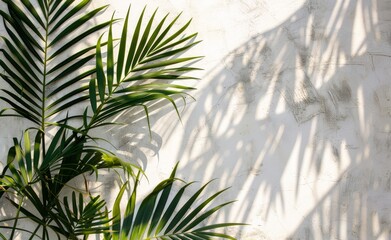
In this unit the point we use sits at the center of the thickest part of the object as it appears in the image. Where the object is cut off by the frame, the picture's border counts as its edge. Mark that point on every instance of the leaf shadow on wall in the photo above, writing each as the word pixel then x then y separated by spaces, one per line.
pixel 297 121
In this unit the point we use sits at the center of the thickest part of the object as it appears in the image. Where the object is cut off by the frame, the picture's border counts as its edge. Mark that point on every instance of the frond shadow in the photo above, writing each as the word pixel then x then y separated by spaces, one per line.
pixel 297 121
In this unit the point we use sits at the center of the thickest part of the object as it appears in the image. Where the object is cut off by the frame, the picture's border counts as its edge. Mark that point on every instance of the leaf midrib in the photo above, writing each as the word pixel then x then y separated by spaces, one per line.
pixel 44 77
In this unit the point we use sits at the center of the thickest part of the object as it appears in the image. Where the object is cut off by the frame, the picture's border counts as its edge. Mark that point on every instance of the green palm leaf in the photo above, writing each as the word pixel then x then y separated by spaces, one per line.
pixel 67 156
pixel 80 219
pixel 35 40
pixel 152 51
pixel 158 217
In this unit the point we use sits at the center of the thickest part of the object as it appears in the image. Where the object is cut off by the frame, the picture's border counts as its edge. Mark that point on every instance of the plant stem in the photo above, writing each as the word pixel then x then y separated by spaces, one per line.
pixel 43 117
pixel 16 219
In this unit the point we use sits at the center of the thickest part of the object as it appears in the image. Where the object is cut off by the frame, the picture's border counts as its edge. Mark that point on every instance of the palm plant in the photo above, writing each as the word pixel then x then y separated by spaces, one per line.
pixel 47 80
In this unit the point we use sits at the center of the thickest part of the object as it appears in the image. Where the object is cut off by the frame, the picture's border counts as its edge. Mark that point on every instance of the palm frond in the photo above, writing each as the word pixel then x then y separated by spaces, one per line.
pixel 67 157
pixel 35 40
pixel 151 55
pixel 78 218
pixel 158 217
pixel 22 164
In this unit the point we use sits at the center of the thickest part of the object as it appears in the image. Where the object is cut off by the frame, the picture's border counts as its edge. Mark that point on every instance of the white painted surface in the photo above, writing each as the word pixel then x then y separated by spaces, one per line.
pixel 293 111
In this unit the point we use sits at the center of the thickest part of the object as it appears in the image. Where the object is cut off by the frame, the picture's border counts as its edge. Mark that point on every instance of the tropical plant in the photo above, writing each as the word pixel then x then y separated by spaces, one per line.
pixel 47 82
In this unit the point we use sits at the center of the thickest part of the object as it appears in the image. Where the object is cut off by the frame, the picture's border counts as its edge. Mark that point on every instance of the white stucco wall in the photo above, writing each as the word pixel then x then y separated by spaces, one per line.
pixel 293 111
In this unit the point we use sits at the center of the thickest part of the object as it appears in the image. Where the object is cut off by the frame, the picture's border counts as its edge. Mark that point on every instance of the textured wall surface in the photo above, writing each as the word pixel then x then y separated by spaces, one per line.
pixel 293 111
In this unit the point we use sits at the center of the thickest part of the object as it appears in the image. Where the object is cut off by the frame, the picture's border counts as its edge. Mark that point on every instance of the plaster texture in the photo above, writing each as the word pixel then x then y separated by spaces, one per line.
pixel 292 110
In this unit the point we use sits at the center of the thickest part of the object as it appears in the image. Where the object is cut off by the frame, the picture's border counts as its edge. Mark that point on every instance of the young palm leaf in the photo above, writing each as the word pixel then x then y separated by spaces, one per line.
pixel 22 165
